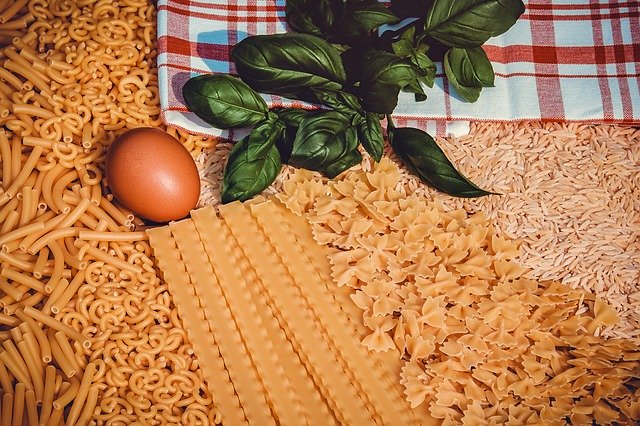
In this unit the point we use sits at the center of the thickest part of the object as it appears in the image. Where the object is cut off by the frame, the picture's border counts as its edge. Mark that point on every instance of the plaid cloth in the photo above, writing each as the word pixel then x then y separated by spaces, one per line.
pixel 564 60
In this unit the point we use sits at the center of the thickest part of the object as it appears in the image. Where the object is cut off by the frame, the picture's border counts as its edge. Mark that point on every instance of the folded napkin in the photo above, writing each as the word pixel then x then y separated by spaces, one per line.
pixel 564 60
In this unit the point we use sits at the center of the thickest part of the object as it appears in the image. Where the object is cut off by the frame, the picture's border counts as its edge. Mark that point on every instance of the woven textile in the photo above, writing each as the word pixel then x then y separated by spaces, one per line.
pixel 564 60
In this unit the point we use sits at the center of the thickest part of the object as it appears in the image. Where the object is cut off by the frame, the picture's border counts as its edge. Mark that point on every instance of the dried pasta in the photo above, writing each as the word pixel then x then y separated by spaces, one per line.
pixel 481 343
pixel 75 75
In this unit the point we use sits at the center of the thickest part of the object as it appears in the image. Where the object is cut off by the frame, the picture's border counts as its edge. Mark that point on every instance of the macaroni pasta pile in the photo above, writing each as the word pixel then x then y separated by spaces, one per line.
pixel 89 331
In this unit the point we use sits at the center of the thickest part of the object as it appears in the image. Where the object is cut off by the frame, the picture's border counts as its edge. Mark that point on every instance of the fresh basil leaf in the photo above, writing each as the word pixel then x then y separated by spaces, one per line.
pixel 426 66
pixel 469 23
pixel 253 164
pixel 345 162
pixel 370 134
pixel 291 117
pixel 322 139
pixel 223 101
pixel 360 17
pixel 343 102
pixel 289 65
pixel 310 16
pixel 468 71
pixel 263 135
pixel 384 74
pixel 403 47
pixel 424 158
pixel 417 90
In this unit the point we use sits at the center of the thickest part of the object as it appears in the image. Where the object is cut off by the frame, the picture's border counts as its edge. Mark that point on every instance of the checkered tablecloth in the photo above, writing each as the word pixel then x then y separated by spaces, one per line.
pixel 564 60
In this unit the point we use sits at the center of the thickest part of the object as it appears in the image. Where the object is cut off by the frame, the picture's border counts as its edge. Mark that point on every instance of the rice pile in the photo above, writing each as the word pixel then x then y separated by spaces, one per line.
pixel 570 194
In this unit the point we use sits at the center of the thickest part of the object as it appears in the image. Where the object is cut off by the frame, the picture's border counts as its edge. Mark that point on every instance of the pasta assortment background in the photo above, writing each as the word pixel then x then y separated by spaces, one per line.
pixel 110 348
pixel 88 327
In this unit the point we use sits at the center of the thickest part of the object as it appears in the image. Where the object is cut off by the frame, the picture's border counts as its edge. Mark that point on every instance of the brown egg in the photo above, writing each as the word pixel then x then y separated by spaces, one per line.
pixel 151 173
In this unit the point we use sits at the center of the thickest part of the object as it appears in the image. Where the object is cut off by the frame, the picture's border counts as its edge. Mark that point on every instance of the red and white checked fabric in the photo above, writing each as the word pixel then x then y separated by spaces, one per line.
pixel 564 60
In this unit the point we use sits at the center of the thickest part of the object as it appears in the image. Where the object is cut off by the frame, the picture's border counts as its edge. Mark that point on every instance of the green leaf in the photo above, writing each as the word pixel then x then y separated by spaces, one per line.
pixel 469 23
pixel 343 102
pixel 323 139
pixel 384 74
pixel 415 88
pixel 426 66
pixel 263 135
pixel 289 65
pixel 468 70
pixel 370 134
pixel 252 165
pixel 403 47
pixel 345 162
pixel 309 16
pixel 223 101
pixel 424 158
pixel 360 17
pixel 291 117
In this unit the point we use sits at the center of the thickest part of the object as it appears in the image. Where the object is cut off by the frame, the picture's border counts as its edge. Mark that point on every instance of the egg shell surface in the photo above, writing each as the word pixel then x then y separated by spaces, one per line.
pixel 151 173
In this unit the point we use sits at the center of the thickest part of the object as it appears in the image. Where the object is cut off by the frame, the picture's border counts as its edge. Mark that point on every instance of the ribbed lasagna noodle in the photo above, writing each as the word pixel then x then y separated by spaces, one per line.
pixel 246 281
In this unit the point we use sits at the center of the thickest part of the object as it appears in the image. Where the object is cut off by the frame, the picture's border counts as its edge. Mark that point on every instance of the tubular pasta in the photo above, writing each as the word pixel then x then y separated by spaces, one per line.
pixel 90 405
pixel 82 393
pixel 55 418
pixel 16 156
pixel 5 151
pixel 47 185
pixel 65 364
pixel 66 348
pixel 13 292
pixel 38 268
pixel 7 408
pixel 56 192
pixel 23 279
pixel 8 208
pixel 5 379
pixel 111 260
pixel 12 10
pixel 33 365
pixel 18 404
pixel 10 223
pixel 32 77
pixel 49 393
pixel 41 337
pixel 25 171
pixel 59 326
pixel 58 265
pixel 54 235
pixel 27 206
pixel 113 236
pixel 74 215
pixel 14 367
pixel 68 293
pixel 31 407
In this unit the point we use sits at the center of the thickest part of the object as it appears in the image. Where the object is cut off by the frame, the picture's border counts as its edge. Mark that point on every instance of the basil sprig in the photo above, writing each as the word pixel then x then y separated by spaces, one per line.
pixel 253 163
pixel 289 65
pixel 469 23
pixel 424 158
pixel 224 101
pixel 338 59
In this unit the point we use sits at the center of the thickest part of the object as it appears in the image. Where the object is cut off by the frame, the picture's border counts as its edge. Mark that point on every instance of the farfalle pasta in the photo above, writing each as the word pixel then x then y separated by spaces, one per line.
pixel 481 342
